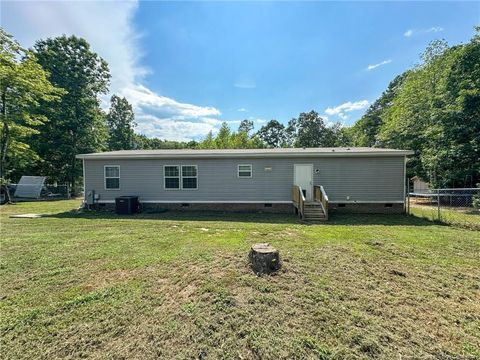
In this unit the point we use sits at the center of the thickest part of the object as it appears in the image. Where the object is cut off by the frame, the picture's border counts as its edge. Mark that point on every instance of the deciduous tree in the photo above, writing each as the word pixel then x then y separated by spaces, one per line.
pixel 273 134
pixel 23 85
pixel 309 130
pixel 77 124
pixel 121 122
pixel 246 126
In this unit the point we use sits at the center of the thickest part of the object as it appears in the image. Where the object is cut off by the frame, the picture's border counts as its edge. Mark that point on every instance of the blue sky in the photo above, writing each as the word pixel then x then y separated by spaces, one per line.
pixel 186 67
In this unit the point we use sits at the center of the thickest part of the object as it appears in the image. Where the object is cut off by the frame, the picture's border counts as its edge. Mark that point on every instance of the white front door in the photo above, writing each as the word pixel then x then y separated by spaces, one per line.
pixel 303 177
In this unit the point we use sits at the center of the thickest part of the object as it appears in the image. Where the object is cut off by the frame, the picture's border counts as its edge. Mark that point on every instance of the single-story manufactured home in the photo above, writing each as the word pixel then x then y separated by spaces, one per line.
pixel 310 181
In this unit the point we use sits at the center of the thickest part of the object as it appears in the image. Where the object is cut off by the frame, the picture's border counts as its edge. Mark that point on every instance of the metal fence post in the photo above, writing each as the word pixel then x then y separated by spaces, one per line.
pixel 408 196
pixel 438 204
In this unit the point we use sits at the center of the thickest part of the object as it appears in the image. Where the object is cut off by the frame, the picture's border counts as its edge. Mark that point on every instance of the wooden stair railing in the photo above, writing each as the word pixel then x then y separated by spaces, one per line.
pixel 316 210
pixel 298 200
pixel 320 195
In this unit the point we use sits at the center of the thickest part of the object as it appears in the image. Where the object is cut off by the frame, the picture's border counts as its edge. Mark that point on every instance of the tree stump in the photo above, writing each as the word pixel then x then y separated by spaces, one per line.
pixel 264 258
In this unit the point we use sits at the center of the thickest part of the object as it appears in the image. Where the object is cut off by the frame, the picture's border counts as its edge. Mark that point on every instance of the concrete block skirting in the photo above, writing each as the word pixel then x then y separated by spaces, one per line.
pixel 372 208
pixel 221 207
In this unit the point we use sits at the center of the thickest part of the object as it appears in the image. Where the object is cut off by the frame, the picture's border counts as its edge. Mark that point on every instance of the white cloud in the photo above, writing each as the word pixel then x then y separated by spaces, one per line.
pixel 258 121
pixel 433 29
pixel 245 83
pixel 176 128
pixel 108 27
pixel 145 99
pixel 242 110
pixel 374 66
pixel 342 110
pixel 327 120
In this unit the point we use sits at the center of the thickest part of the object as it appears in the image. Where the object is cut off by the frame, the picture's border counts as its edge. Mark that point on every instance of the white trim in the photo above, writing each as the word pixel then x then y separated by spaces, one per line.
pixel 244 177
pixel 180 177
pixel 172 177
pixel 367 202
pixel 110 177
pixel 201 202
pixel 188 177
pixel 295 177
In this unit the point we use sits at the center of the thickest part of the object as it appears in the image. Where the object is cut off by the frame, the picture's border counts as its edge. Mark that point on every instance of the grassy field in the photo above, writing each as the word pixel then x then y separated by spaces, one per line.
pixel 178 286
pixel 468 218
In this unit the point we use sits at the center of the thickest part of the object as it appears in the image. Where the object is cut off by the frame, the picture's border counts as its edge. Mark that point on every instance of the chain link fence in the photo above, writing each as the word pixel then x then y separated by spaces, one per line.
pixel 460 207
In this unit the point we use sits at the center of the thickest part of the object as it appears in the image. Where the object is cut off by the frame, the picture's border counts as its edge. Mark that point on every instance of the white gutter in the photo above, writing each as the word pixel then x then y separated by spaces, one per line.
pixel 241 155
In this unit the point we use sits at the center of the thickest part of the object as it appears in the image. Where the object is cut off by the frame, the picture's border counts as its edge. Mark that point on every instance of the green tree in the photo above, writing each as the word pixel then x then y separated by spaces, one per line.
pixel 365 131
pixel 435 113
pixel 77 124
pixel 337 135
pixel 143 142
pixel 309 130
pixel 121 122
pixel 222 140
pixel 226 139
pixel 208 142
pixel 273 134
pixel 23 85
pixel 461 123
pixel 246 126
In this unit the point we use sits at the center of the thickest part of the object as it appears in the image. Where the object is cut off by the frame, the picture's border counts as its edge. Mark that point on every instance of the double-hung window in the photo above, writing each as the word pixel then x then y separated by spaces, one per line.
pixel 112 177
pixel 183 177
pixel 171 174
pixel 189 177
pixel 244 171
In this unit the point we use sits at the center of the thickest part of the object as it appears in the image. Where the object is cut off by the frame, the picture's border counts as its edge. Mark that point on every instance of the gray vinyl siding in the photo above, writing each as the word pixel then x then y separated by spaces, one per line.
pixel 363 179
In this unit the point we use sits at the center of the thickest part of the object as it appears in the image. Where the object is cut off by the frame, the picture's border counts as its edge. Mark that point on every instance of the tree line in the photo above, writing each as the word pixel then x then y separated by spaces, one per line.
pixel 434 110
pixel 51 111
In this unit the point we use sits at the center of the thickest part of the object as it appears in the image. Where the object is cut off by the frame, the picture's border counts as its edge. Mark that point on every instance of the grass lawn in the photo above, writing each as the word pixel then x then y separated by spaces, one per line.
pixel 172 285
pixel 463 217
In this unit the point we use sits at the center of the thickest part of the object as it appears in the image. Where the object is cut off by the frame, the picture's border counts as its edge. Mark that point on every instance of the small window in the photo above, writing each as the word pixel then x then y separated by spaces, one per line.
pixel 189 177
pixel 112 177
pixel 245 171
pixel 172 176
